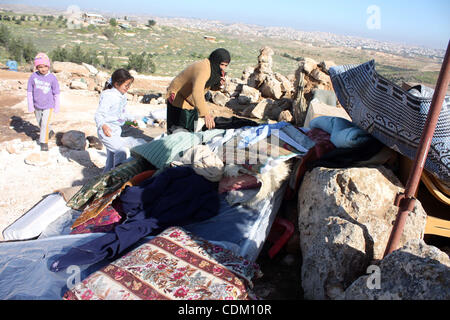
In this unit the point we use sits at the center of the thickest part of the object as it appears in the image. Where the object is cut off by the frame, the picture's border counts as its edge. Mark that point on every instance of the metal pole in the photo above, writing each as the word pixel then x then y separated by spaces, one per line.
pixel 406 201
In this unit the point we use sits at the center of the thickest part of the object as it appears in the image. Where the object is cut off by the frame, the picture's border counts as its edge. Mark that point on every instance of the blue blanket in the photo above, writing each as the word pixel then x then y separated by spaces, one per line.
pixel 392 115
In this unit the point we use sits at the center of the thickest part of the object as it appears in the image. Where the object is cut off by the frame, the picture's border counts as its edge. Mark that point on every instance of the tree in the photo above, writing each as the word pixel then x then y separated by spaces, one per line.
pixel 109 33
pixel 59 54
pixel 77 55
pixel 107 61
pixel 29 51
pixel 151 23
pixel 113 22
pixel 141 63
pixel 5 35
pixel 15 48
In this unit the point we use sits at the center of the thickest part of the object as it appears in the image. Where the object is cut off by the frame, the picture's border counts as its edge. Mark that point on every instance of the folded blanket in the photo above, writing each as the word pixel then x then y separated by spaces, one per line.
pixel 343 133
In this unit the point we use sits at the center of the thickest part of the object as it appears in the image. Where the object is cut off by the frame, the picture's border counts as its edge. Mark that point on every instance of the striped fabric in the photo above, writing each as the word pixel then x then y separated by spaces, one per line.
pixel 392 115
pixel 162 151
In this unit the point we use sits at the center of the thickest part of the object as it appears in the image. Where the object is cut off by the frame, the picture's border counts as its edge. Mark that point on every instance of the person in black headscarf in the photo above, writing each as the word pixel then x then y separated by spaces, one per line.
pixel 186 93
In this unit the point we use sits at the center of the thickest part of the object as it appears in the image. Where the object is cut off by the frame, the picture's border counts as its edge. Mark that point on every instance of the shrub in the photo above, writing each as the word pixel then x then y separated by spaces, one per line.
pixel 113 22
pixel 141 63
pixel 5 35
pixel 29 51
pixel 59 54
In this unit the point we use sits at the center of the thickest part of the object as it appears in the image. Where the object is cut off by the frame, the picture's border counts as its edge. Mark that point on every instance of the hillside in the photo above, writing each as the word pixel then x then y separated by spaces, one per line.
pixel 175 44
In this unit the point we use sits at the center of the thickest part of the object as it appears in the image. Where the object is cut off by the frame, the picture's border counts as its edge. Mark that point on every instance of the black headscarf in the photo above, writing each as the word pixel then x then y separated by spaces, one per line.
pixel 216 58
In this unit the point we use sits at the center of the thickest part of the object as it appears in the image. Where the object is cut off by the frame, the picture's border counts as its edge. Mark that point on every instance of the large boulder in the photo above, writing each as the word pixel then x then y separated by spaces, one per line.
pixel 416 271
pixel 69 67
pixel 345 220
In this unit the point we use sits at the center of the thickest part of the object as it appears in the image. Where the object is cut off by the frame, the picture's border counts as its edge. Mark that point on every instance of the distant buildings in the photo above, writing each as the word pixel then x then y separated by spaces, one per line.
pixel 209 38
pixel 93 18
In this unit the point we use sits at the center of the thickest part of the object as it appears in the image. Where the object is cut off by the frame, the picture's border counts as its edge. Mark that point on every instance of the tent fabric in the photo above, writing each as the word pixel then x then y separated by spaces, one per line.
pixel 392 115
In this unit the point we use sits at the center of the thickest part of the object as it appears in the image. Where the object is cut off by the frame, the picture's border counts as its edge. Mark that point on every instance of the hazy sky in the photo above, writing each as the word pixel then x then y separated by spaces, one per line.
pixel 406 21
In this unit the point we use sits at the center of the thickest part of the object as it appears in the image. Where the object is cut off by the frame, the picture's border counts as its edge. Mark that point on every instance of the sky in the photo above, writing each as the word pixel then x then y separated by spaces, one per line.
pixel 416 22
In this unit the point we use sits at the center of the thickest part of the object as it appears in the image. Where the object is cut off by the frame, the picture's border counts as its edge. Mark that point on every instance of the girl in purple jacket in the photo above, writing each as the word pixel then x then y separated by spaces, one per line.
pixel 43 97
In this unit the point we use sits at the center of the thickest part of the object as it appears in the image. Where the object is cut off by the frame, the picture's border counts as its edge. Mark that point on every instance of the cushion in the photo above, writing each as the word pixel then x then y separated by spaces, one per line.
pixel 175 265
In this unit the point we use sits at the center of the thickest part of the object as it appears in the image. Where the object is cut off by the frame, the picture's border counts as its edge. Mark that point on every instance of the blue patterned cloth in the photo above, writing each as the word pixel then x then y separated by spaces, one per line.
pixel 392 115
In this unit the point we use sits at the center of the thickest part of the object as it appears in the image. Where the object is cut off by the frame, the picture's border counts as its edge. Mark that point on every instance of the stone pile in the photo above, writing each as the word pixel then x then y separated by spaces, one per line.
pixel 262 93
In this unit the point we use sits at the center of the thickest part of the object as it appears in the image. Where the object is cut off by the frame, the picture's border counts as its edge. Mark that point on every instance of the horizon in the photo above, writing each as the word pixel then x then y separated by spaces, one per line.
pixel 402 22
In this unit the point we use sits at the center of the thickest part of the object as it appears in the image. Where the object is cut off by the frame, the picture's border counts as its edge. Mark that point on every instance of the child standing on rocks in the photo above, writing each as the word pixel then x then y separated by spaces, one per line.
pixel 111 115
pixel 43 97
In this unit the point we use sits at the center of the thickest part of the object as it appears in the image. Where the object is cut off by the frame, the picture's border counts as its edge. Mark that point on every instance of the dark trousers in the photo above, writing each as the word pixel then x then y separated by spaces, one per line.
pixel 181 118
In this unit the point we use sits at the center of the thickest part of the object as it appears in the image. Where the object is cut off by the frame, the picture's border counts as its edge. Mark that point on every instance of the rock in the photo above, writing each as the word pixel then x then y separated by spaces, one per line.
pixel 93 70
pixel 78 84
pixel 73 68
pixel 320 76
pixel 63 77
pixel 133 73
pixel 13 147
pixel 246 73
pixel 74 139
pixel 307 65
pixel 263 69
pixel 326 65
pixel 286 85
pixel 232 88
pixel 244 100
pixel 247 112
pixel 262 108
pixel 271 88
pixel 249 94
pixel 94 142
pixel 38 159
pixel 416 271
pixel 101 78
pixel 219 98
pixel 285 116
pixel 345 220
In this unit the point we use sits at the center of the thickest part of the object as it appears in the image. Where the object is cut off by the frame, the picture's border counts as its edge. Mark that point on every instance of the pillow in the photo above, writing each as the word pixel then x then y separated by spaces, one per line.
pixel 175 265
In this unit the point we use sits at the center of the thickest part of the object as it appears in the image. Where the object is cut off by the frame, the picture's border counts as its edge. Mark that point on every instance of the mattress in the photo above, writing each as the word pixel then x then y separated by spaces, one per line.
pixel 24 265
